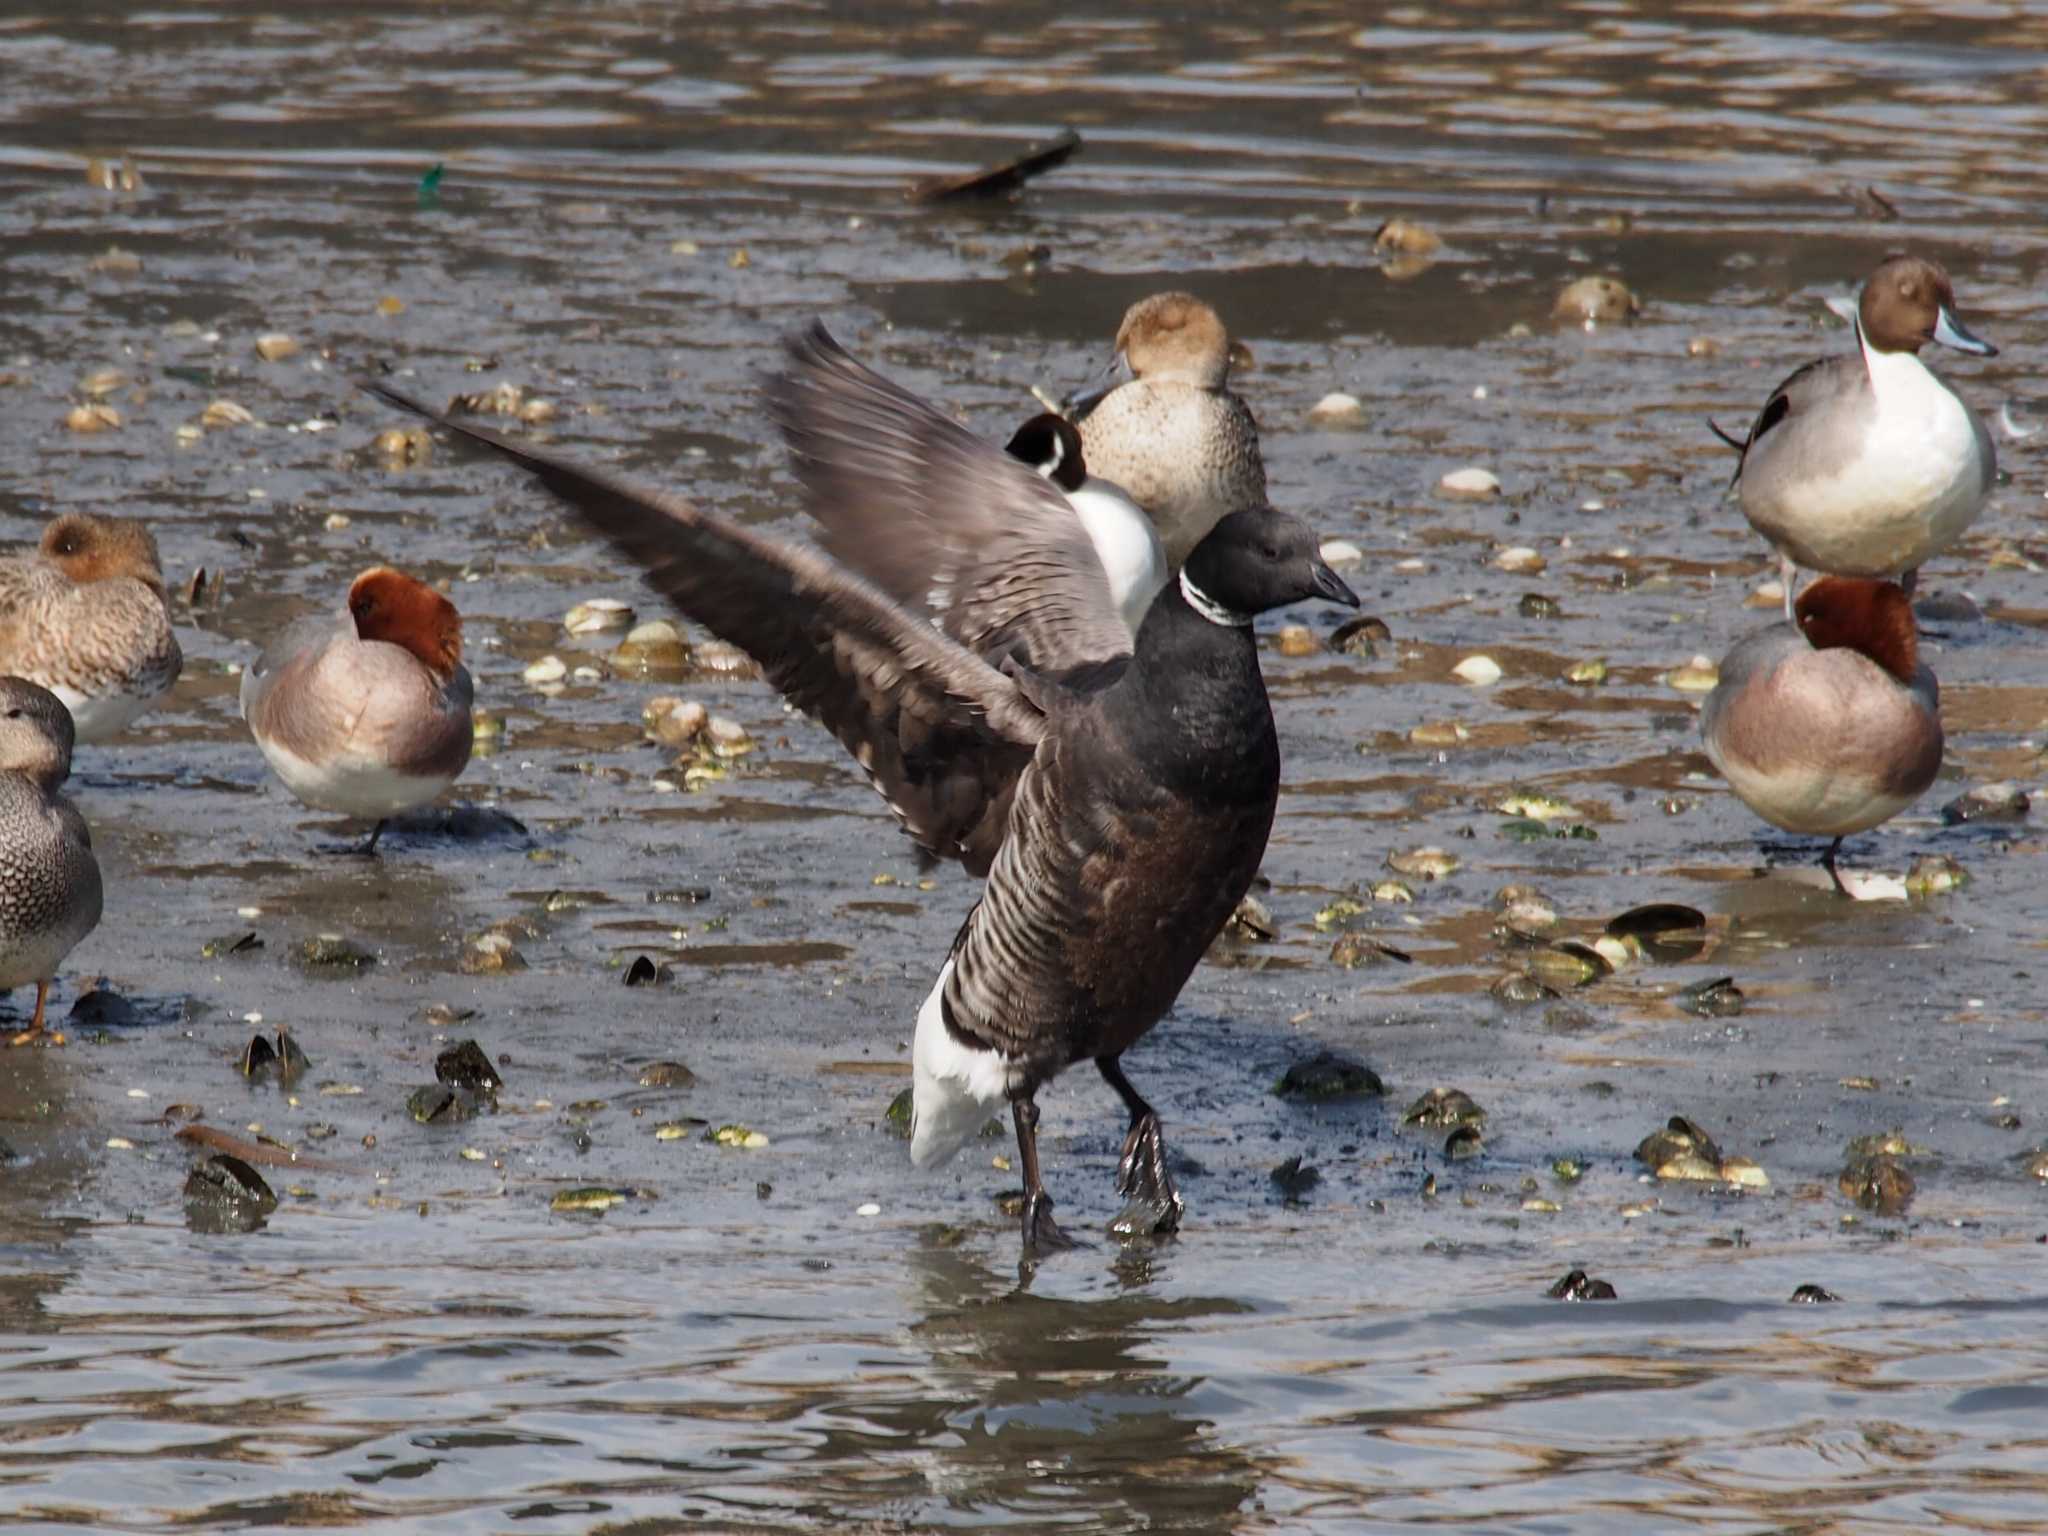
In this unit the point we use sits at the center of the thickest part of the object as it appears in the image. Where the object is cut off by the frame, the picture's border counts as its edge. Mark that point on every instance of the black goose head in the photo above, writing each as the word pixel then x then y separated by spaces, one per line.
pixel 1261 559
pixel 1051 445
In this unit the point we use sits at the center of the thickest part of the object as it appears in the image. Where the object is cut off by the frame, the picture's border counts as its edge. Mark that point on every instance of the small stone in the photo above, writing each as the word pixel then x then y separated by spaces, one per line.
pixel 537 413
pixel 275 347
pixel 1465 1142
pixel 1296 640
pixel 1471 481
pixel 1813 1296
pixel 1878 1184
pixel 1703 346
pixel 115 262
pixel 1595 301
pixel 1538 605
pixel 465 1066
pixel 401 446
pixel 597 616
pixel 330 953
pixel 1696 676
pixel 1479 671
pixel 739 260
pixel 1329 1075
pixel 1338 410
pixel 1442 1109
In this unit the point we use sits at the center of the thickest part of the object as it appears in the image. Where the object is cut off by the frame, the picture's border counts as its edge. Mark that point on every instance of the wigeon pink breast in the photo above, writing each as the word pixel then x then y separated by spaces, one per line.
pixel 86 617
pixel 1831 727
pixel 366 712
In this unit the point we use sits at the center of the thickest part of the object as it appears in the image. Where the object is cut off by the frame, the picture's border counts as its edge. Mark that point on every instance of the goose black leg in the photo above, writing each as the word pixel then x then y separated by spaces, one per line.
pixel 1041 1232
pixel 1154 1205
pixel 1827 862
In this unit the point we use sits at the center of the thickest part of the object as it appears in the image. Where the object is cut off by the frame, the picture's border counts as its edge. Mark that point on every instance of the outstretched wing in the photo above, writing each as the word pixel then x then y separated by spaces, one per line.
pixel 942 734
pixel 947 524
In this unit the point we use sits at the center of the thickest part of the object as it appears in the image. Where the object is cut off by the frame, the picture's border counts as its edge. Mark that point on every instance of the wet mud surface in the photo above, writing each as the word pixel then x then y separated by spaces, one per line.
pixel 633 208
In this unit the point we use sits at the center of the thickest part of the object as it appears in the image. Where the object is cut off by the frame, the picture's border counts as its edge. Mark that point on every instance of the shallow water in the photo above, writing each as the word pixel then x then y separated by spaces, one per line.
pixel 414 1342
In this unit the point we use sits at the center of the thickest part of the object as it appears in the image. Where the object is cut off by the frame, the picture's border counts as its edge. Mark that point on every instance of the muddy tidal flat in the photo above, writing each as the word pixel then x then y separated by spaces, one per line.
pixel 674 1272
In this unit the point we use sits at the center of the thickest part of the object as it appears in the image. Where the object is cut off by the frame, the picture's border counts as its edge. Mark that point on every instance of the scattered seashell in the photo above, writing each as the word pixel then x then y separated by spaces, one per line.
pixel 548 670
pixel 1520 990
pixel 1878 1184
pixel 1342 555
pixel 115 262
pixel 739 260
pixel 1935 873
pixel 1587 674
pixel 1520 560
pixel 114 175
pixel 399 446
pixel 1439 733
pixel 1470 481
pixel 728 737
pixel 1577 1285
pixel 275 347
pixel 1715 998
pixel 653 649
pixel 1479 671
pixel 592 1201
pixel 1537 806
pixel 102 382
pixel 737 1136
pixel 1407 238
pixel 674 722
pixel 538 412
pixel 1696 676
pixel 1813 1296
pixel 1338 410
pixel 1427 863
pixel 1252 920
pixel 226 413
pixel 1393 892
pixel 92 418
pixel 1361 637
pixel 1596 300
pixel 334 522
pixel 1442 1109
pixel 1296 640
pixel 491 954
pixel 1703 346
pixel 1353 950
pixel 2001 802
pixel 596 616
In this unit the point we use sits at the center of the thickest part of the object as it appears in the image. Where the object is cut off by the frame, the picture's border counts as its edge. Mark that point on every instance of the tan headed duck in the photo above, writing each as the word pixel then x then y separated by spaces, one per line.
pixel 86 617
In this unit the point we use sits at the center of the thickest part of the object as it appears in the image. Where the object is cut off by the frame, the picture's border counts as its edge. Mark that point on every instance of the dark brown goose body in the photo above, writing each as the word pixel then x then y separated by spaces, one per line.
pixel 1137 828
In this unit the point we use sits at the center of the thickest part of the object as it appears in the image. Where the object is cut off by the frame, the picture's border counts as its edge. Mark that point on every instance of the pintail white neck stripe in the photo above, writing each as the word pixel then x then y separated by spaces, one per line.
pixel 1209 608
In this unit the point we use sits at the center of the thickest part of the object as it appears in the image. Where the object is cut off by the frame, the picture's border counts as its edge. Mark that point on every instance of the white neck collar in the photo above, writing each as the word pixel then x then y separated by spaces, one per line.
pixel 1209 608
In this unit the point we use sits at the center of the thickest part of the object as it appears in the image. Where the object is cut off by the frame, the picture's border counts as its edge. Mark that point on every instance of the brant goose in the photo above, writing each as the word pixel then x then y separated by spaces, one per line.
pixel 86 616
pixel 910 499
pixel 49 880
pixel 1870 465
pixel 366 712
pixel 1168 429
pixel 1119 810
pixel 1831 726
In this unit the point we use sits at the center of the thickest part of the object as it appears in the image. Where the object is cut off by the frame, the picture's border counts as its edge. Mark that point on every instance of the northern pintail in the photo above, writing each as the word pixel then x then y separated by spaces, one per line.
pixel 1168 429
pixel 1832 725
pixel 1870 465
pixel 1118 820
pixel 366 712
pixel 86 616
pixel 49 879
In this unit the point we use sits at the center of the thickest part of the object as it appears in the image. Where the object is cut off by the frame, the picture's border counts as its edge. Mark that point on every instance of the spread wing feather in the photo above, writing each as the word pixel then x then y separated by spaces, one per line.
pixel 942 734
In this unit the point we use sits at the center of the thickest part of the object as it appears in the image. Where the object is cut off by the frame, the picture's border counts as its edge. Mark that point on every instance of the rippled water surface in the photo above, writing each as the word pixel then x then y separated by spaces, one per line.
pixel 636 201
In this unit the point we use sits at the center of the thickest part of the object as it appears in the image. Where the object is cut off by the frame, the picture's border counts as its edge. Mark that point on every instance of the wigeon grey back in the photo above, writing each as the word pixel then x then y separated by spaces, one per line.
pixel 1830 726
pixel 1172 434
pixel 86 617
pixel 1870 465
pixel 366 712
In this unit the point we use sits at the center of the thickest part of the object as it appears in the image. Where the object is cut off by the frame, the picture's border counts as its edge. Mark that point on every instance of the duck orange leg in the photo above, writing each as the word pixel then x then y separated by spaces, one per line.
pixel 37 1033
